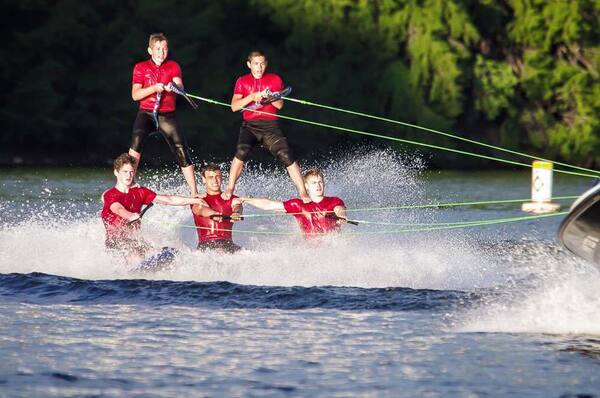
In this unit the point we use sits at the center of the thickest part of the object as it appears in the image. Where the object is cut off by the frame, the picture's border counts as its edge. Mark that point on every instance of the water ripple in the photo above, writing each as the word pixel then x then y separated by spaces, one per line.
pixel 41 288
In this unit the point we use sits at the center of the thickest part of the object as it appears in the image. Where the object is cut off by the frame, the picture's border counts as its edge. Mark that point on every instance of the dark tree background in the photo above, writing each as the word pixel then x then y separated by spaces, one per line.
pixel 522 74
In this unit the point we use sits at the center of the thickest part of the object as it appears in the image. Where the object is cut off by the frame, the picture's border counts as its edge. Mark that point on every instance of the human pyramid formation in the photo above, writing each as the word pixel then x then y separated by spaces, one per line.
pixel 154 85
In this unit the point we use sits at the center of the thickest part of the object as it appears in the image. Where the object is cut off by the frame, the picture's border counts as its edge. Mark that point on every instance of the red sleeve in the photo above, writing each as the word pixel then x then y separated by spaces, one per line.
pixel 109 197
pixel 138 75
pixel 176 71
pixel 149 195
pixel 230 201
pixel 337 202
pixel 277 83
pixel 239 87
pixel 292 206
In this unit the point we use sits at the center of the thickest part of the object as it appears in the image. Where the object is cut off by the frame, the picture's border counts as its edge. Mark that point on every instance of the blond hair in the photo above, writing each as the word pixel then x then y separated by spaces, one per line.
pixel 311 173
pixel 256 53
pixel 154 37
pixel 210 167
pixel 122 160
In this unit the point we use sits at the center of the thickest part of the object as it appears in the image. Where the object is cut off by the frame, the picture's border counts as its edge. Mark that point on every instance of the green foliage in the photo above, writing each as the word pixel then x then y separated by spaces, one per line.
pixel 495 87
pixel 521 73
pixel 434 36
pixel 559 76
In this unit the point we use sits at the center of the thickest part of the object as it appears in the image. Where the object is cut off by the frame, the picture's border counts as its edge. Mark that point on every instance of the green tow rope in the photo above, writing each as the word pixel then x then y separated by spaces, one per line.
pixel 423 227
pixel 428 228
pixel 417 143
pixel 409 207
pixel 414 126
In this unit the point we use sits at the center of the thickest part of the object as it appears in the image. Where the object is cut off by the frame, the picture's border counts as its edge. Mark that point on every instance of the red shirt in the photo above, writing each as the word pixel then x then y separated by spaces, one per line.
pixel 148 73
pixel 213 230
pixel 311 222
pixel 132 201
pixel 247 84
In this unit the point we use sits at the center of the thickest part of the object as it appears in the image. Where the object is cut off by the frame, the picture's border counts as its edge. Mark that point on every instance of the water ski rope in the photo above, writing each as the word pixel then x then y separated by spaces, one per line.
pixel 427 228
pixel 409 207
pixel 457 137
pixel 417 143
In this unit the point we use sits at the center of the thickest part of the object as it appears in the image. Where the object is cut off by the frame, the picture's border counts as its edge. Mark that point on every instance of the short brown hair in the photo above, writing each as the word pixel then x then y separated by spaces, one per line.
pixel 154 37
pixel 311 173
pixel 256 53
pixel 210 167
pixel 122 160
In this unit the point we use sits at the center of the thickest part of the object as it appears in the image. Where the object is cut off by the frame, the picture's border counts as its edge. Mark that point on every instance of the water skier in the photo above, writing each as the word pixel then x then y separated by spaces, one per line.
pixel 151 86
pixel 259 128
pixel 215 232
pixel 122 206
pixel 322 215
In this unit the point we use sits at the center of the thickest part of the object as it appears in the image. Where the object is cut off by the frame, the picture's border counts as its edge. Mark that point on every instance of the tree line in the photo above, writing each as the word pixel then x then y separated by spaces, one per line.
pixel 522 74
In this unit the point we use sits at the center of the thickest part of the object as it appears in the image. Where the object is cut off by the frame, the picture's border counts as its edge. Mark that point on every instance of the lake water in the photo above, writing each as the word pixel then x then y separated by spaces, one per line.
pixel 497 310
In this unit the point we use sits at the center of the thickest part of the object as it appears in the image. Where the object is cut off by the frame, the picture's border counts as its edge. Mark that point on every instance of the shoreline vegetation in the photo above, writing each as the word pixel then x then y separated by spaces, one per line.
pixel 517 74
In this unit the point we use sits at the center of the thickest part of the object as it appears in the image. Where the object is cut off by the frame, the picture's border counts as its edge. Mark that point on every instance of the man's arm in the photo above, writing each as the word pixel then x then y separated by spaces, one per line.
pixel 238 101
pixel 138 92
pixel 278 87
pixel 236 206
pixel 177 200
pixel 122 212
pixel 264 203
pixel 340 211
pixel 277 104
pixel 236 210
pixel 177 80
pixel 203 211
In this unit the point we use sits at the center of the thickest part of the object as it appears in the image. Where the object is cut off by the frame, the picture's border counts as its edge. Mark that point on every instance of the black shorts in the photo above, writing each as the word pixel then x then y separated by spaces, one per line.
pixel 219 244
pixel 144 125
pixel 267 134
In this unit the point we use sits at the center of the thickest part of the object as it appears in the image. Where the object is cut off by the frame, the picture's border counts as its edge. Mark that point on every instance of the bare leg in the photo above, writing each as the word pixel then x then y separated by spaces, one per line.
pixel 234 173
pixel 296 176
pixel 190 178
pixel 136 155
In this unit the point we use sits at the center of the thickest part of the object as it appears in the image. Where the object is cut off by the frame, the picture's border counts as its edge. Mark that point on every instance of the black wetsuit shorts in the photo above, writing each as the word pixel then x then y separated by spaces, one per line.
pixel 267 134
pixel 144 125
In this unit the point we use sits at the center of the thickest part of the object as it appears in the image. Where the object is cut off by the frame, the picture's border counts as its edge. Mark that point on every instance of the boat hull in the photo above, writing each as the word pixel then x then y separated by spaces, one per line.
pixel 579 232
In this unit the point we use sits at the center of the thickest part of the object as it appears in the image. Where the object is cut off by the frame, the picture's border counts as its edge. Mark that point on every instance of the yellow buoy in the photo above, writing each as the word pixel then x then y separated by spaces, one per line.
pixel 541 189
